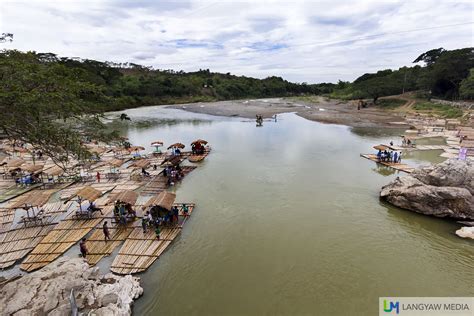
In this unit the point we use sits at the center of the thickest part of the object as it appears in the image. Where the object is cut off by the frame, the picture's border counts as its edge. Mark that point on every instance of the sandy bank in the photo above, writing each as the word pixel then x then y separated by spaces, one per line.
pixel 324 110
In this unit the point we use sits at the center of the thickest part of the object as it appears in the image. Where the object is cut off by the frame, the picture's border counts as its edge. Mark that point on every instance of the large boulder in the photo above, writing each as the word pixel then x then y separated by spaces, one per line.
pixel 444 190
pixel 47 291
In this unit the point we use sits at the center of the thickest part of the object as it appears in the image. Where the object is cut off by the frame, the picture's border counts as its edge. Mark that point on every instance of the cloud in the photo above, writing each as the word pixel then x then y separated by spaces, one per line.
pixel 311 41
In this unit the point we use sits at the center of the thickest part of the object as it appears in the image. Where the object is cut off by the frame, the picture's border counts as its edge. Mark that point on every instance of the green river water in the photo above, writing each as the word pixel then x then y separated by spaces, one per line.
pixel 288 222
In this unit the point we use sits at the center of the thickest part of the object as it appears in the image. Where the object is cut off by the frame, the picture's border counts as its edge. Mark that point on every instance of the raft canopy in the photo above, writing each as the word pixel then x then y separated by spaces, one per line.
pixel 116 162
pixel 13 163
pixel 171 161
pixel 177 145
pixel 32 168
pixel 199 141
pixel 383 147
pixel 54 171
pixel 142 163
pixel 164 201
pixel 157 143
pixel 136 148
pixel 32 199
pixel 127 196
pixel 89 193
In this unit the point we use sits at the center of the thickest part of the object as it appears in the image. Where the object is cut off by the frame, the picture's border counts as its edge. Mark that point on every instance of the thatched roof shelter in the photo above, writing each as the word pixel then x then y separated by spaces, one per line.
pixel 135 148
pixel 32 199
pixel 383 147
pixel 177 145
pixel 164 201
pixel 142 163
pixel 199 141
pixel 13 162
pixel 54 171
pixel 127 196
pixel 32 168
pixel 116 162
pixel 173 161
pixel 96 150
pixel 89 193
pixel 157 143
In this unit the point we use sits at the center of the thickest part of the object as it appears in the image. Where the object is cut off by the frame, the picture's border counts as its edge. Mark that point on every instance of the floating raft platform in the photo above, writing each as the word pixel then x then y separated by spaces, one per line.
pixel 198 158
pixel 20 240
pixel 140 249
pixel 397 166
pixel 158 183
pixel 64 235
pixel 99 248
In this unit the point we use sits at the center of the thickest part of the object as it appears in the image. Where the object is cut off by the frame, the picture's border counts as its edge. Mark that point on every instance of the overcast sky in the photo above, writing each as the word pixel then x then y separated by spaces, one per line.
pixel 311 41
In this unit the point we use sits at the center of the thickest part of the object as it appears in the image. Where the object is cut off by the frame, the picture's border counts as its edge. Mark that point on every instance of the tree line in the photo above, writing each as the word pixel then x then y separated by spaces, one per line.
pixel 444 74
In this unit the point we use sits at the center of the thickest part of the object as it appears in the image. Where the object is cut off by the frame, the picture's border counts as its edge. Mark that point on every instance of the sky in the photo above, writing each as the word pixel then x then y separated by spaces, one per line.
pixel 301 41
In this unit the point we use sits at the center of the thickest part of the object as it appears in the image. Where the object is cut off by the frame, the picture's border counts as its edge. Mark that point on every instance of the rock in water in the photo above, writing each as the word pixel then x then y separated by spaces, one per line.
pixel 444 190
pixel 47 291
pixel 466 232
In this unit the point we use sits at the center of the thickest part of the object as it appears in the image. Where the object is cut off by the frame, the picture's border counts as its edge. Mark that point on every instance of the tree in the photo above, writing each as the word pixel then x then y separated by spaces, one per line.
pixel 450 68
pixel 466 89
pixel 430 56
pixel 6 37
pixel 48 105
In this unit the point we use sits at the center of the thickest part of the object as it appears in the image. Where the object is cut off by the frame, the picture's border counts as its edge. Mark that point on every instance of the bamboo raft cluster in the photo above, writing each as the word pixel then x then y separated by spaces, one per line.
pixel 17 242
pixel 42 239
pixel 141 249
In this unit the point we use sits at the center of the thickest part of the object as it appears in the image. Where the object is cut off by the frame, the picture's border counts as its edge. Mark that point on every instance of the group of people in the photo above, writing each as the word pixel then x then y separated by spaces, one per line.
pixel 175 151
pixel 197 148
pixel 389 156
pixel 122 211
pixel 155 219
pixel 406 142
pixel 25 180
pixel 89 211
pixel 174 173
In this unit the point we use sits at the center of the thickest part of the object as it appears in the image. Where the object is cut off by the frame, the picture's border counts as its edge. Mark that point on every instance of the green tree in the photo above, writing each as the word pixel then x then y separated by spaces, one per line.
pixel 466 89
pixel 49 105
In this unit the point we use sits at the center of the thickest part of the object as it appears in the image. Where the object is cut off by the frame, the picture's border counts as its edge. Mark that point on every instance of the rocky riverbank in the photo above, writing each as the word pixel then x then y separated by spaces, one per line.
pixel 443 190
pixel 47 291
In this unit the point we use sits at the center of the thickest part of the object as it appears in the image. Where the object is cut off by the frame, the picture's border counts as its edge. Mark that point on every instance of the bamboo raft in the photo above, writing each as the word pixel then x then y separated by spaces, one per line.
pixel 198 158
pixel 19 241
pixel 6 218
pixel 99 248
pixel 60 239
pixel 140 249
pixel 158 184
pixel 397 166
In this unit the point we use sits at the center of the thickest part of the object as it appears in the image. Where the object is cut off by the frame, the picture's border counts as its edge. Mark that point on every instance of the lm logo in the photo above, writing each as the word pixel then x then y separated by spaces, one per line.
pixel 390 306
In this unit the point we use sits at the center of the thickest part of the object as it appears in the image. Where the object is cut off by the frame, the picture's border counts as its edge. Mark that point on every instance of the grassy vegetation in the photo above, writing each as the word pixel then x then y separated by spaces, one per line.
pixel 390 103
pixel 442 110
pixel 305 98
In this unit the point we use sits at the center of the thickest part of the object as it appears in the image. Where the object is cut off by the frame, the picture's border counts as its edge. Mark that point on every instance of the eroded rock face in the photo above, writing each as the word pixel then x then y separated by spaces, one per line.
pixel 47 291
pixel 444 190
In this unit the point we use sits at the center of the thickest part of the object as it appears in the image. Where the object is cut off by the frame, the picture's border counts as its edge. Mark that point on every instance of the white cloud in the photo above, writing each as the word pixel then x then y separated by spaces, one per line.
pixel 310 41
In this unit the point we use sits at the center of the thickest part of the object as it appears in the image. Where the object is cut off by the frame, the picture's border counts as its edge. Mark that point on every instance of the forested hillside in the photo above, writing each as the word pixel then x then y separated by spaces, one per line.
pixel 444 74
pixel 130 85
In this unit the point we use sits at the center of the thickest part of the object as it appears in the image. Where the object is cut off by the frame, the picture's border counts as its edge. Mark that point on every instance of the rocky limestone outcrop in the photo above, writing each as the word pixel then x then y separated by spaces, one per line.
pixel 444 190
pixel 47 291
pixel 466 232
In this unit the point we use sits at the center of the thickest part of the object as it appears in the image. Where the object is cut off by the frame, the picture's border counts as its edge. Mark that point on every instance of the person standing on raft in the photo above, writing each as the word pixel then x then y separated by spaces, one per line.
pixel 105 230
pixel 83 247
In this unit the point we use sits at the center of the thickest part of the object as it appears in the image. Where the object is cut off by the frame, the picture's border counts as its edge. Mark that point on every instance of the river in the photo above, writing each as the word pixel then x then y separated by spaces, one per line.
pixel 288 222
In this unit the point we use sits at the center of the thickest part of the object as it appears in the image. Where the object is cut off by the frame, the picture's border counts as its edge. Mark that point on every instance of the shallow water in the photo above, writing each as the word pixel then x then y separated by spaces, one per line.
pixel 288 221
